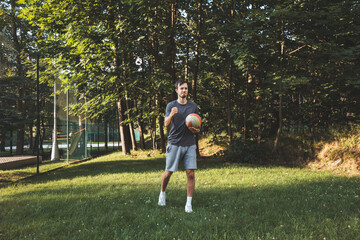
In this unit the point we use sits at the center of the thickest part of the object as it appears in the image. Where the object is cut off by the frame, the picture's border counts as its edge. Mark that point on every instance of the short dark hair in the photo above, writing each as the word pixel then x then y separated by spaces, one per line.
pixel 180 82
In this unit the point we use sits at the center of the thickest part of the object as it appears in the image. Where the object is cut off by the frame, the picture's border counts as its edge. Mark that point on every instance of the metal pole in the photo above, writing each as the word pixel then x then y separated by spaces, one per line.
pixel 54 150
pixel 38 115
pixel 113 134
pixel 11 139
pixel 107 124
pixel 118 128
pixel 86 153
pixel 98 134
pixel 91 137
pixel 67 123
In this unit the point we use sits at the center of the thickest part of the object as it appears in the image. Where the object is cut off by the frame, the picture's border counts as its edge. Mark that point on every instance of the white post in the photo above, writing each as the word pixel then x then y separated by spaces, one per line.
pixel 54 150
pixel 67 123
pixel 86 133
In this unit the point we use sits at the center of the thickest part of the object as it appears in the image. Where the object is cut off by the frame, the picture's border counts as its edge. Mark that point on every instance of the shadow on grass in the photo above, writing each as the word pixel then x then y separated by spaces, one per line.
pixel 325 208
pixel 98 167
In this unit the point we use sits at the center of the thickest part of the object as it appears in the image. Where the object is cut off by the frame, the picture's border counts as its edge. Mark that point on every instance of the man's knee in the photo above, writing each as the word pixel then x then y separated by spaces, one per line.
pixel 190 174
pixel 167 174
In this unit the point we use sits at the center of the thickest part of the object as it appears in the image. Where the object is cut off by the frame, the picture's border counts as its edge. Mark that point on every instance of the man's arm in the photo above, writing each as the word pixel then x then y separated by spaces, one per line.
pixel 194 130
pixel 169 118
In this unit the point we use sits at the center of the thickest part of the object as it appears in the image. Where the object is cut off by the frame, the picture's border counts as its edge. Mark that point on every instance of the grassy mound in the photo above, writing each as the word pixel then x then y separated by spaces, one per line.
pixel 340 154
pixel 337 150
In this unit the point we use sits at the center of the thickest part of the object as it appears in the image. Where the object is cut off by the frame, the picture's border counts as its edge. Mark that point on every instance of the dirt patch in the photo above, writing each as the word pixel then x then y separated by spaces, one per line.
pixel 336 157
pixel 210 147
pixel 349 166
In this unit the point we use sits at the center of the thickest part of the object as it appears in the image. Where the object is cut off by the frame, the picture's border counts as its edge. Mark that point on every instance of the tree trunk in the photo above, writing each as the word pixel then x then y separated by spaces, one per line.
pixel 2 141
pixel 229 103
pixel 106 136
pixel 196 51
pixel 247 105
pixel 154 42
pixel 161 121
pixel 153 133
pixel 197 64
pixel 186 67
pixel 42 136
pixel 31 138
pixel 19 72
pixel 11 140
pixel 187 34
pixel 20 140
pixel 278 134
pixel 127 107
pixel 140 123
pixel 229 91
pixel 169 66
pixel 142 139
pixel 127 137
pixel 125 145
pixel 131 125
pixel 172 46
pixel 162 135
pixel 118 59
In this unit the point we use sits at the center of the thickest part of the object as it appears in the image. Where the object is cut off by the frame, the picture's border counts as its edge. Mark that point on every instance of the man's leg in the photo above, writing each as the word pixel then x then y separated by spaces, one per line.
pixel 190 186
pixel 190 173
pixel 164 182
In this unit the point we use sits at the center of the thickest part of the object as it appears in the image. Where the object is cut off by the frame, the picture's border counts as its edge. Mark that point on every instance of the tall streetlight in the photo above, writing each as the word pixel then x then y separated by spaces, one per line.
pixel 54 149
pixel 38 115
pixel 67 123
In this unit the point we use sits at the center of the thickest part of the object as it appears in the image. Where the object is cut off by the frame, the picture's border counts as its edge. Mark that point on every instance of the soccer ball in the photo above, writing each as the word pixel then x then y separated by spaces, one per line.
pixel 193 120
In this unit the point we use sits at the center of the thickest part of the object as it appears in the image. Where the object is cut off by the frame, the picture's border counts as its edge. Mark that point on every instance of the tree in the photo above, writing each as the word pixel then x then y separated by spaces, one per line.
pixel 16 41
pixel 257 68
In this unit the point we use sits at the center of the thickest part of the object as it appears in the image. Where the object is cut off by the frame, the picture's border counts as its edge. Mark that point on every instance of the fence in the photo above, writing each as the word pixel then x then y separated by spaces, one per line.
pixel 77 136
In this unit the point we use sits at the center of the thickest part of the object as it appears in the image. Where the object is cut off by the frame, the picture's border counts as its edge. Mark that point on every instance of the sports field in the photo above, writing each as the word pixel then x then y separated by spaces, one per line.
pixel 115 197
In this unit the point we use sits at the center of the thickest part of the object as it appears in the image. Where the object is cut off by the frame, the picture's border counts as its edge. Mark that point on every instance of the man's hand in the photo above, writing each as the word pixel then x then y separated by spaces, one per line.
pixel 174 111
pixel 194 130
pixel 168 119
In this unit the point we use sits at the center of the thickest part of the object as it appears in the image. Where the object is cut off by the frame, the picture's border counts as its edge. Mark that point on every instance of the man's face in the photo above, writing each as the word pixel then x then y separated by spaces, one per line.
pixel 182 90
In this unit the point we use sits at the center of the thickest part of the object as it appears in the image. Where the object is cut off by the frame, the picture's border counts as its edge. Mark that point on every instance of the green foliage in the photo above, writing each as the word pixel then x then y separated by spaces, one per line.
pixel 17 91
pixel 244 56
pixel 340 145
pixel 248 151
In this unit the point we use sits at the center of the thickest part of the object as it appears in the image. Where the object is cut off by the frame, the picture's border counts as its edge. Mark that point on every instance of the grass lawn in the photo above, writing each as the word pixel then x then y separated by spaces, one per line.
pixel 13 175
pixel 115 197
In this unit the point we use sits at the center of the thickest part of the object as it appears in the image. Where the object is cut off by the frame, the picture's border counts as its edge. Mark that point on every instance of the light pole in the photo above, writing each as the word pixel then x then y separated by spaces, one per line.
pixel 38 115
pixel 67 123
pixel 54 150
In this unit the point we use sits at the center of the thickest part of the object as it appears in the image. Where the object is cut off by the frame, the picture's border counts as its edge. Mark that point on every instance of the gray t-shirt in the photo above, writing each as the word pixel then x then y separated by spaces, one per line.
pixel 179 134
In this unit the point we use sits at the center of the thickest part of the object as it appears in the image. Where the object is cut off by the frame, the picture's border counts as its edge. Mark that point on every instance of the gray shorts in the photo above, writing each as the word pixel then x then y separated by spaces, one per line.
pixel 175 154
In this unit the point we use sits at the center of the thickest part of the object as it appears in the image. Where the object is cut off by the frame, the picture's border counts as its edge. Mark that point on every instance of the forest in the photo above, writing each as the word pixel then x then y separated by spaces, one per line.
pixel 258 70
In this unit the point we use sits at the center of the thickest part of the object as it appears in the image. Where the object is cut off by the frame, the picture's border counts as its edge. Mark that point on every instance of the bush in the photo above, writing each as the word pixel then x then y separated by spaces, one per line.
pixel 291 150
pixel 300 150
pixel 248 151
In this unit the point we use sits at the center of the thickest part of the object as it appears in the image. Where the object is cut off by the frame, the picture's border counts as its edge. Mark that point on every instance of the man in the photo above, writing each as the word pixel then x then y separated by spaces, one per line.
pixel 181 142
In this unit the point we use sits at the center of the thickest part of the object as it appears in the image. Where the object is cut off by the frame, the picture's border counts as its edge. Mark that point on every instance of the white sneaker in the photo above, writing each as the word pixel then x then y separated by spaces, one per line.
pixel 188 209
pixel 161 200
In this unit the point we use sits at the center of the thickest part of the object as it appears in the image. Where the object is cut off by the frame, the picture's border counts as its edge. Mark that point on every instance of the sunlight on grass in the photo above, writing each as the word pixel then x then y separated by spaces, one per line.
pixel 13 175
pixel 341 154
pixel 115 197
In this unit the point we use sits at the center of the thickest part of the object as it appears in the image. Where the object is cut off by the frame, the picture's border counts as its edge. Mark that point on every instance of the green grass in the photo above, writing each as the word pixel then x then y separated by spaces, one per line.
pixel 16 174
pixel 115 197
